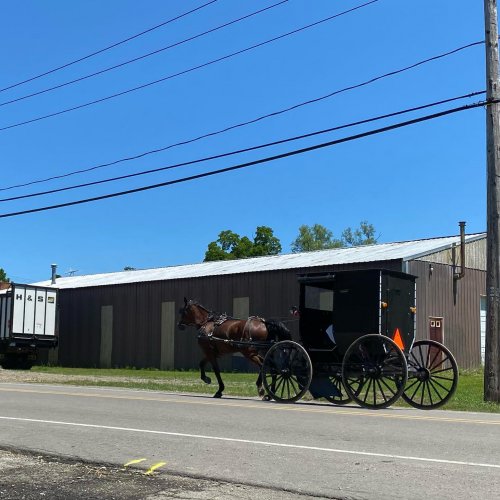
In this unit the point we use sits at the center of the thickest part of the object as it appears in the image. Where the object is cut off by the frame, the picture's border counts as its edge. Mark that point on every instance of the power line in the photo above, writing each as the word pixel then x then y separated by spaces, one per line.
pixel 144 56
pixel 245 150
pixel 100 51
pixel 249 122
pixel 189 70
pixel 255 162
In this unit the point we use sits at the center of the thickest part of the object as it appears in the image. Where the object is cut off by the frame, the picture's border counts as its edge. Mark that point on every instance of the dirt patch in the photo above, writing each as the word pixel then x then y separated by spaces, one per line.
pixel 30 476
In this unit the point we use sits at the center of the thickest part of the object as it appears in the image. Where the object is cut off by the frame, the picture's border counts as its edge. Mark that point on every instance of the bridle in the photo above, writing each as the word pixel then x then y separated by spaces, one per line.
pixel 183 310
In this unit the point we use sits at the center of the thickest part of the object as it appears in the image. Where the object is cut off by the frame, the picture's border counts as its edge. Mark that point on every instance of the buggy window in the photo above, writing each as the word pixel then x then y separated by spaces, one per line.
pixel 317 298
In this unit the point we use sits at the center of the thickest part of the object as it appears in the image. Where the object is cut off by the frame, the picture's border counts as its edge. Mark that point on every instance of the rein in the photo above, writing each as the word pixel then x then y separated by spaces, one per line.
pixel 237 343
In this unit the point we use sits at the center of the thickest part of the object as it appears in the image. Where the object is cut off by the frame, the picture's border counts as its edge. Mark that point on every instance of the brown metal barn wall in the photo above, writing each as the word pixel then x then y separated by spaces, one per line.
pixel 475 255
pixel 80 316
pixel 435 297
pixel 137 313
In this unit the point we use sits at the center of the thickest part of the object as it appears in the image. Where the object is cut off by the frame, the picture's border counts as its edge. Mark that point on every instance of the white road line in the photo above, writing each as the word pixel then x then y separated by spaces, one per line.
pixel 249 441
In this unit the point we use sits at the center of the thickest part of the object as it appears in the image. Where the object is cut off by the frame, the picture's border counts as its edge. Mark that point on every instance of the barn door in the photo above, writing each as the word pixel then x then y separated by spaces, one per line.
pixel 436 329
pixel 436 333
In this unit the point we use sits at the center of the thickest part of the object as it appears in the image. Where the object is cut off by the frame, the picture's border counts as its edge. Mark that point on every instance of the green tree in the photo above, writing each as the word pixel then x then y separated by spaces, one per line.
pixel 364 235
pixel 230 245
pixel 265 243
pixel 315 237
pixel 3 276
pixel 318 237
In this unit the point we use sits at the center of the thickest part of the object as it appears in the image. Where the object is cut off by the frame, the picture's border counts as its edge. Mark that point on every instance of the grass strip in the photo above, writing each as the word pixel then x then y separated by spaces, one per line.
pixel 468 397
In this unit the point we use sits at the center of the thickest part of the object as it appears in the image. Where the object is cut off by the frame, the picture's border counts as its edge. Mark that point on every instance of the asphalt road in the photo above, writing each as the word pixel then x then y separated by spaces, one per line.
pixel 305 448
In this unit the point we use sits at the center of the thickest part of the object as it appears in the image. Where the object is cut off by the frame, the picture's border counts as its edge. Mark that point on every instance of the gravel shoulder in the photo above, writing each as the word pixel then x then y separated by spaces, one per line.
pixel 28 475
pixel 28 376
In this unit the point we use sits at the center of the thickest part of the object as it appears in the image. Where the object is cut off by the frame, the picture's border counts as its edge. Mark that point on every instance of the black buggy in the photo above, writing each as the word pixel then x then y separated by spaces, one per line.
pixel 357 331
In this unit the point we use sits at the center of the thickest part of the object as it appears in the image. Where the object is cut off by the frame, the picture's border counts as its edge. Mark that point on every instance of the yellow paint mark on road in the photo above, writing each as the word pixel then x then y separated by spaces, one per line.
pixel 154 467
pixel 301 408
pixel 136 461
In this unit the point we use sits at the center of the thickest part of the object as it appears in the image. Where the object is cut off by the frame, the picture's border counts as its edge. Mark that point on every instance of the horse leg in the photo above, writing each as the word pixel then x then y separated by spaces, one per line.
pixel 258 360
pixel 216 368
pixel 203 375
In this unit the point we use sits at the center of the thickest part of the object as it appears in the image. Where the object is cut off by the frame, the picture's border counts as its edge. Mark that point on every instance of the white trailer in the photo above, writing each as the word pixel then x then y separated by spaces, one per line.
pixel 28 321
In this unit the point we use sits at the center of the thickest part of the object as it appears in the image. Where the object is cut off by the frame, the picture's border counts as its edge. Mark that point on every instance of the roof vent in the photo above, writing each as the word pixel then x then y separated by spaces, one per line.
pixel 54 273
pixel 461 274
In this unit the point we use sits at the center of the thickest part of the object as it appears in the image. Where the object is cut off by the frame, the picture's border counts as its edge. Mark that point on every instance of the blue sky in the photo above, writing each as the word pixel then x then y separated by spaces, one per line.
pixel 416 182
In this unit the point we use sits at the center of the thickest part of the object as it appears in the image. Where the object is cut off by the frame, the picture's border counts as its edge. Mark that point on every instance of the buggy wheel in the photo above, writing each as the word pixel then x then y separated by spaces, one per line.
pixel 343 398
pixel 374 371
pixel 432 375
pixel 286 371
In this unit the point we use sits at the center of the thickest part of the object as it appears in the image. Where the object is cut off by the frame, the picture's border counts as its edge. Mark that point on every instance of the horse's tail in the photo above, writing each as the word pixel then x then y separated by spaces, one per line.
pixel 277 330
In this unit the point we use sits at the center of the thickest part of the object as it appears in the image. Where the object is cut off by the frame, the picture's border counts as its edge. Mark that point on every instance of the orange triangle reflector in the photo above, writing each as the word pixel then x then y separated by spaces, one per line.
pixel 398 340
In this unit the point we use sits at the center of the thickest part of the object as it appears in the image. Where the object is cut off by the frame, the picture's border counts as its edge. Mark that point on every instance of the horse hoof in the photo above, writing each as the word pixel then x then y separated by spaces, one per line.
pixel 217 395
pixel 266 397
pixel 207 380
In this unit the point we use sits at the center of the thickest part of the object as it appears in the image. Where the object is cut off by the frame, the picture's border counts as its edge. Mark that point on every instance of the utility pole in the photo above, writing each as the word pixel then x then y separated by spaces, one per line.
pixel 492 349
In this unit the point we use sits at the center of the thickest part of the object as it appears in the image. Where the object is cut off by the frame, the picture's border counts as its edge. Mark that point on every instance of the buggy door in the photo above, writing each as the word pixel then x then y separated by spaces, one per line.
pixel 398 322
pixel 317 301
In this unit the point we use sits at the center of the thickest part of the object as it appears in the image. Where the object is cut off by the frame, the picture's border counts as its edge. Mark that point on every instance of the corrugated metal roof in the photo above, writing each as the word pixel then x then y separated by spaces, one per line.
pixel 407 250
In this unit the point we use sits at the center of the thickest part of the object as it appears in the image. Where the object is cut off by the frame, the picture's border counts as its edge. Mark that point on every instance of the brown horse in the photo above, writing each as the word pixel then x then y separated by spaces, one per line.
pixel 219 334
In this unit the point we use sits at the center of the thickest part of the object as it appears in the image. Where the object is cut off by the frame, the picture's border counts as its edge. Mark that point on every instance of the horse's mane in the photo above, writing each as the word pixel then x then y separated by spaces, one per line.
pixel 195 302
pixel 213 315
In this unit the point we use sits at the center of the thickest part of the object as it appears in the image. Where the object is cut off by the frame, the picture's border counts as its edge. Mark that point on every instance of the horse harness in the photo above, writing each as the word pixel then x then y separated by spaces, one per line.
pixel 217 320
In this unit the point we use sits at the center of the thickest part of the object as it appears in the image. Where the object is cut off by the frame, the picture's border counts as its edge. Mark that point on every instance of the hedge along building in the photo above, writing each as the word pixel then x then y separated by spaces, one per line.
pixel 129 318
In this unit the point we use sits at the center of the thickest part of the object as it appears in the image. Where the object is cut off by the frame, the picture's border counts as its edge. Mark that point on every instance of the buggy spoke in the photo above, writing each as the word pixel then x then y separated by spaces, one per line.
pixel 409 386
pixel 429 391
pixel 422 395
pixel 355 380
pixel 393 377
pixel 294 387
pixel 412 397
pixel 388 387
pixel 381 390
pixel 439 384
pixel 413 361
pixel 441 362
pixel 437 353
pixel 448 379
pixel 442 371
pixel 427 358
pixel 422 362
pixel 368 389
pixel 281 381
pixel 433 386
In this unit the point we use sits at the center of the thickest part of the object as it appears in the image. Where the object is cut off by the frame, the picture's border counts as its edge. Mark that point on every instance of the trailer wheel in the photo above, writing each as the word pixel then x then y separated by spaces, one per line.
pixel 17 363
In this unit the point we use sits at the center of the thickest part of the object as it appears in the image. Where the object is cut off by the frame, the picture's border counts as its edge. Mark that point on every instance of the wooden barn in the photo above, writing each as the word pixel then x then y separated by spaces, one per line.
pixel 129 318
